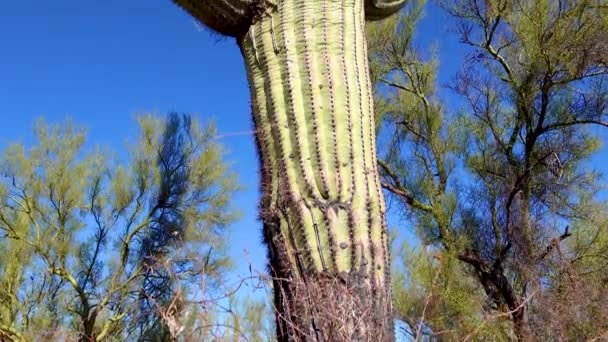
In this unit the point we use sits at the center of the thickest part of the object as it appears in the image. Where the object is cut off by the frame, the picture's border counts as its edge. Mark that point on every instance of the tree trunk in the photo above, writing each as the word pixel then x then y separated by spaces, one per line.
pixel 322 205
pixel 88 326
pixel 499 289
pixel 521 325
pixel 516 304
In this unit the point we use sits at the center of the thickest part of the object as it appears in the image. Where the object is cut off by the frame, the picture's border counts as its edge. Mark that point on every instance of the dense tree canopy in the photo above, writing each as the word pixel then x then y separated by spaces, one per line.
pixel 499 190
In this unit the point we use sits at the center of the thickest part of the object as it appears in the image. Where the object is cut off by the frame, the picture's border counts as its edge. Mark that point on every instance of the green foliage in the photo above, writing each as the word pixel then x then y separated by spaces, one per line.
pixel 252 320
pixel 433 290
pixel 93 248
pixel 258 322
pixel 409 109
pixel 574 304
pixel 495 184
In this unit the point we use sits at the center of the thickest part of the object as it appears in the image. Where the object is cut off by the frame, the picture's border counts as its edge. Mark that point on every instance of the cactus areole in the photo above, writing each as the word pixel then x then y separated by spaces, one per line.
pixel 322 205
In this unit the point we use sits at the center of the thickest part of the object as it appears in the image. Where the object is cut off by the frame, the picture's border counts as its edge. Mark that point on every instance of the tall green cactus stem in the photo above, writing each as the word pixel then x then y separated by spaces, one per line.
pixel 322 205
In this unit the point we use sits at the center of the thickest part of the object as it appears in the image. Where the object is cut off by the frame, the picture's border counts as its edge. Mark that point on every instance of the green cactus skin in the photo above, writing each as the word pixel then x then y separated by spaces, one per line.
pixel 322 204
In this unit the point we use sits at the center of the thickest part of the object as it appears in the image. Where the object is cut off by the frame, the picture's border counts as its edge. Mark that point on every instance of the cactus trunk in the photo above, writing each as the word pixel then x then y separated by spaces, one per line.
pixel 322 205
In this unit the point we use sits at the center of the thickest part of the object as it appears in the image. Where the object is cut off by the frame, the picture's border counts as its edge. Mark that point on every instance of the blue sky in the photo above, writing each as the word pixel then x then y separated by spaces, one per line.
pixel 103 62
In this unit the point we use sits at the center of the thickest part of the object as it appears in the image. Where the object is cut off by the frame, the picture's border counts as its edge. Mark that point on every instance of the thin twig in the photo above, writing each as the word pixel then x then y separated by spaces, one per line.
pixel 427 301
pixel 502 314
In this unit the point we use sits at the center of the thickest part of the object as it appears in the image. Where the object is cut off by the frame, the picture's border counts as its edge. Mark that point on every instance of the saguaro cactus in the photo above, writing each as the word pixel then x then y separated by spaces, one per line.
pixel 322 204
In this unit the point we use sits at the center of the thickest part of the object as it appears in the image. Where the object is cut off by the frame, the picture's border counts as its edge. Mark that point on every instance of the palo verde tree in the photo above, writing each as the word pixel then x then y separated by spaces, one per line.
pixel 533 89
pixel 432 293
pixel 92 249
pixel 322 205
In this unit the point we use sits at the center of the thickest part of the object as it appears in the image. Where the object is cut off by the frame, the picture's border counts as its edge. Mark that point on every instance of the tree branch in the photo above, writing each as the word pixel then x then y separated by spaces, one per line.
pixel 10 333
pixel 572 123
pixel 399 190
pixel 555 243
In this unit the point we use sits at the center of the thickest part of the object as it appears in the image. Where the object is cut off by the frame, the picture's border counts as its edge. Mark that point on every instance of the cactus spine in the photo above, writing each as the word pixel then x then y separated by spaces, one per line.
pixel 322 204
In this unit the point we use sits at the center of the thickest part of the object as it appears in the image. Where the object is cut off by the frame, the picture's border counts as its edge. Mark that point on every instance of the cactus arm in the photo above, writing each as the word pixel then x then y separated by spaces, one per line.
pixel 233 17
pixel 228 17
pixel 379 9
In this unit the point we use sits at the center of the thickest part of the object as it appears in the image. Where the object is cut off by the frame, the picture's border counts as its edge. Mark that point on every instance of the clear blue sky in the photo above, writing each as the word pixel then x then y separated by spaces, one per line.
pixel 103 62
